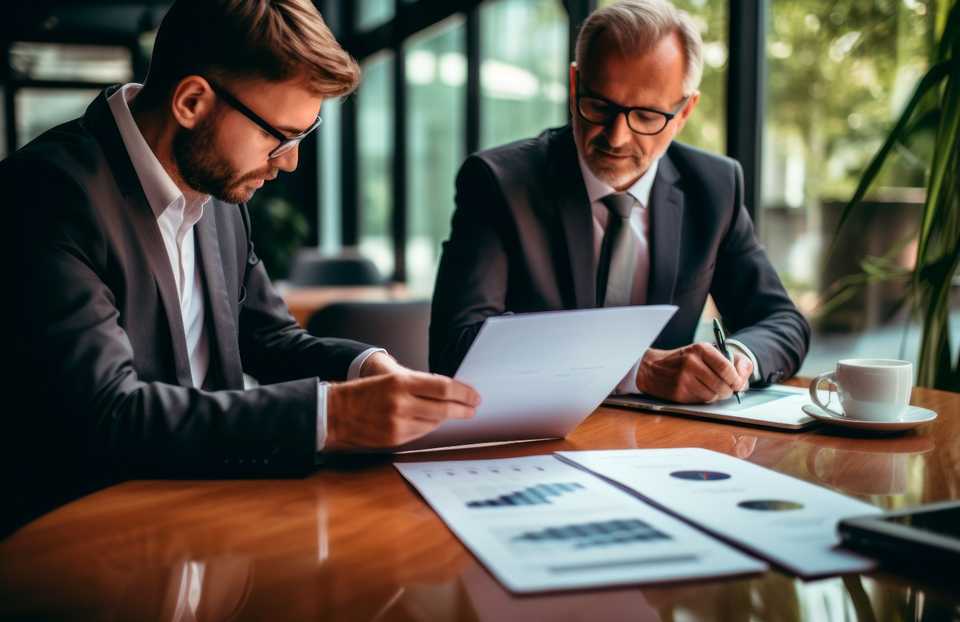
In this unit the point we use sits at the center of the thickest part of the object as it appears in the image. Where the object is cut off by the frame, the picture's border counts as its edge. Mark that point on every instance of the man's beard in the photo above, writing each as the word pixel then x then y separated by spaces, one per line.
pixel 203 169
pixel 621 174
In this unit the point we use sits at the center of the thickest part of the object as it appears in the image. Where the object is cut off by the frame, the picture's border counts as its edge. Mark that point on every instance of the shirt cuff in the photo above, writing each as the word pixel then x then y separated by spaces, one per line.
pixel 737 345
pixel 629 382
pixel 322 414
pixel 354 372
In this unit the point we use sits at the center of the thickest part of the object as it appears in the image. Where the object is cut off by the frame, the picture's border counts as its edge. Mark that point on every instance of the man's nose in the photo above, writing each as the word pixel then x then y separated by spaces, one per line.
pixel 618 132
pixel 287 162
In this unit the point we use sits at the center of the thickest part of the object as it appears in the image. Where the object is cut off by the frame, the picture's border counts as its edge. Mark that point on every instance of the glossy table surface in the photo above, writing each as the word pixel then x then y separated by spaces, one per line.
pixel 355 542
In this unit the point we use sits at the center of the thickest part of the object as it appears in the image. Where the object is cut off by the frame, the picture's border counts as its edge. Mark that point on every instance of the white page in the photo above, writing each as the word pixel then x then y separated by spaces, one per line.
pixel 541 374
pixel 785 520
pixel 539 524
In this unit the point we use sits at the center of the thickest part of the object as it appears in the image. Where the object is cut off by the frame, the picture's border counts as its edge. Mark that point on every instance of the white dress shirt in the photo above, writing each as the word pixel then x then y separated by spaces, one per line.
pixel 175 220
pixel 639 225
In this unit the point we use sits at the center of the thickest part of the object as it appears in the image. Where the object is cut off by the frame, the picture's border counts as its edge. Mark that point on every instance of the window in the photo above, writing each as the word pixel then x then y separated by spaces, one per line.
pixel 38 110
pixel 436 72
pixel 47 101
pixel 373 13
pixel 375 152
pixel 85 63
pixel 523 71
pixel 706 128
pixel 838 77
pixel 329 171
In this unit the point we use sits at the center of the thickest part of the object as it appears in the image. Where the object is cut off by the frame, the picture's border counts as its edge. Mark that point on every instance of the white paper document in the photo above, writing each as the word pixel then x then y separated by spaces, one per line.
pixel 785 520
pixel 539 524
pixel 540 374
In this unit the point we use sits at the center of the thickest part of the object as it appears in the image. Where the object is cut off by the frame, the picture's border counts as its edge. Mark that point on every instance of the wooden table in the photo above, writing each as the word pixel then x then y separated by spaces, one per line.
pixel 354 542
pixel 304 301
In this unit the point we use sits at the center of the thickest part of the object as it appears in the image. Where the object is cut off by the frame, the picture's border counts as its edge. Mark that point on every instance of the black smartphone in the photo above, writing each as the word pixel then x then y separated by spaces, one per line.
pixel 929 532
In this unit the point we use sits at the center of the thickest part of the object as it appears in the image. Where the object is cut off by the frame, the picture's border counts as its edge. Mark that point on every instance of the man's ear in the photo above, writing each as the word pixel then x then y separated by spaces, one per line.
pixel 192 100
pixel 687 110
pixel 573 89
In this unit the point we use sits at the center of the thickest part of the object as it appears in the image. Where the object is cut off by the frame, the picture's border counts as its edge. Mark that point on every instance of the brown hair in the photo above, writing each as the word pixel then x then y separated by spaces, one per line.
pixel 274 40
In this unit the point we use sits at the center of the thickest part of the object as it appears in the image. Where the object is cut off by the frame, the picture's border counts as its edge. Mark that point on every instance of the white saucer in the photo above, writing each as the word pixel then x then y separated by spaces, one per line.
pixel 913 417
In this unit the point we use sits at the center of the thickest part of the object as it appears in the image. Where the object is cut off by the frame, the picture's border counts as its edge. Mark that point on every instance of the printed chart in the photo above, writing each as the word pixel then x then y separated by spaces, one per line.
pixel 785 520
pixel 538 494
pixel 574 536
pixel 540 524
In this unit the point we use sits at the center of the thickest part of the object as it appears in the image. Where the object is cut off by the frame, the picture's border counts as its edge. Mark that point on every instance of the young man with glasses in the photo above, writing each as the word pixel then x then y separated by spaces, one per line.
pixel 139 299
pixel 610 211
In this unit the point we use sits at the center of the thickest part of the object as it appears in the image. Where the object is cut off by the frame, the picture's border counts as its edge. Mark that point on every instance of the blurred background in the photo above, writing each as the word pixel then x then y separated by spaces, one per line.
pixel 802 92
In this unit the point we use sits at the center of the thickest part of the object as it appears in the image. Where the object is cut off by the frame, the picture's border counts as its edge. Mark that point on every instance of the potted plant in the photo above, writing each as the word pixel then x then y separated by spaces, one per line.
pixel 279 229
pixel 934 105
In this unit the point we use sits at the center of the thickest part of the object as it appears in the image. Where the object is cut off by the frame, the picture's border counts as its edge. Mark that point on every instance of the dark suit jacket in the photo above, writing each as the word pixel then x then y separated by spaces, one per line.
pixel 101 370
pixel 522 241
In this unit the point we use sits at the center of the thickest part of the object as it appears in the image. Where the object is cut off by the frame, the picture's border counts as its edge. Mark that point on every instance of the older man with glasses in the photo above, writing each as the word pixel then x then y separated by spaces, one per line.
pixel 611 211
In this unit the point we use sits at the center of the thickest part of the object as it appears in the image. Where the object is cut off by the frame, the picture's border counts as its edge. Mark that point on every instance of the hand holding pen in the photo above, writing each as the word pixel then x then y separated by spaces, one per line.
pixel 720 339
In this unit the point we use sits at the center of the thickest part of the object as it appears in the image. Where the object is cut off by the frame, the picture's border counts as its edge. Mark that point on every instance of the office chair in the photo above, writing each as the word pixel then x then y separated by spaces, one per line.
pixel 400 327
pixel 310 268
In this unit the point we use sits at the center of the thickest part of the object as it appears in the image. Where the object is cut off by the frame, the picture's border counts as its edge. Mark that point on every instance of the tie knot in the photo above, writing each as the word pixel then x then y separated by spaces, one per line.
pixel 620 204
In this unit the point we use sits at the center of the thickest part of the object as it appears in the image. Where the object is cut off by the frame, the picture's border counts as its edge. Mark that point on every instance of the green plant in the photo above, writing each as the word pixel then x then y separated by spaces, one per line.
pixel 278 231
pixel 935 103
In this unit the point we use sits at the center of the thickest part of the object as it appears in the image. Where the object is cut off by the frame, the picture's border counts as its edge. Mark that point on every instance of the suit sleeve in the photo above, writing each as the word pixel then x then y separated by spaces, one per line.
pixel 273 346
pixel 78 362
pixel 473 273
pixel 765 319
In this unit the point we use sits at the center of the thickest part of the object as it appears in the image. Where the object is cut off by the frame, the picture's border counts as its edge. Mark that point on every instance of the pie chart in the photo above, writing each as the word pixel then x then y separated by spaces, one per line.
pixel 700 476
pixel 770 505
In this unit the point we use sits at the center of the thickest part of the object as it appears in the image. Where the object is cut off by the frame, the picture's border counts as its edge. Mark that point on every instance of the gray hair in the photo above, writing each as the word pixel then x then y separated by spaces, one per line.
pixel 635 26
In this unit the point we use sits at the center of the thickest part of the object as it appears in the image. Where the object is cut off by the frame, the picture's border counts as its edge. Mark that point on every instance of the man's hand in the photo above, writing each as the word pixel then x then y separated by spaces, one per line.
pixel 694 374
pixel 390 409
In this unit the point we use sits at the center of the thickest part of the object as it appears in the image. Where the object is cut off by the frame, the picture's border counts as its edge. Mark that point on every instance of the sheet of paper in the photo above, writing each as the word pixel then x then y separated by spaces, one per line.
pixel 787 521
pixel 541 374
pixel 540 524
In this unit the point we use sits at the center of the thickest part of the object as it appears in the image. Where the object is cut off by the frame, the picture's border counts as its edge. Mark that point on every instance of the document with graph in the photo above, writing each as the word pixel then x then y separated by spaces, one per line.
pixel 787 521
pixel 539 524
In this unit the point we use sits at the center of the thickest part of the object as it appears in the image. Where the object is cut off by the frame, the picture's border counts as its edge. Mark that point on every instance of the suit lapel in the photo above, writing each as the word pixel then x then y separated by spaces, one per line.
pixel 666 218
pixel 576 219
pixel 218 302
pixel 145 224
pixel 102 124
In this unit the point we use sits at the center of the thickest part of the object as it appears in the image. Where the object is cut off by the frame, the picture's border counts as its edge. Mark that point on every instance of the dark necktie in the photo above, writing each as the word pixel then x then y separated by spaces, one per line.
pixel 618 253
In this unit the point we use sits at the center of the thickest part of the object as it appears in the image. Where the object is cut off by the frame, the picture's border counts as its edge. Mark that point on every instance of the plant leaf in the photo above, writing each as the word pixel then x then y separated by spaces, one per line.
pixel 950 38
pixel 930 80
pixel 947 136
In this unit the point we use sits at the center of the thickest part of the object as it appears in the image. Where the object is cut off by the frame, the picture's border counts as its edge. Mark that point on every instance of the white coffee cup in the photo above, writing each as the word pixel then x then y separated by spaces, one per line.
pixel 869 389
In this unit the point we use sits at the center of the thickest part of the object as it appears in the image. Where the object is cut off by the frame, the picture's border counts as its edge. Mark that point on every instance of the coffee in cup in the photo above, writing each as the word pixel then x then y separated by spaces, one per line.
pixel 868 389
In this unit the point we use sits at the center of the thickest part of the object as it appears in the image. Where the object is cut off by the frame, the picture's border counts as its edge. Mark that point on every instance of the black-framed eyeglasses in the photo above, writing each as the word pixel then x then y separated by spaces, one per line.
pixel 286 142
pixel 640 120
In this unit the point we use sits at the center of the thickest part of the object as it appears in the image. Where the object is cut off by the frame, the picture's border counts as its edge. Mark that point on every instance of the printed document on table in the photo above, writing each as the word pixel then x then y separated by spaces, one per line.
pixel 787 521
pixel 539 524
